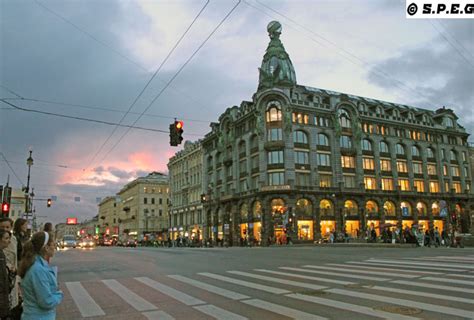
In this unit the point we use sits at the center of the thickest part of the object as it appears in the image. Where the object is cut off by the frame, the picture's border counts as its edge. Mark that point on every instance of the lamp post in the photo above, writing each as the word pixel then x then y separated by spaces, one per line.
pixel 29 163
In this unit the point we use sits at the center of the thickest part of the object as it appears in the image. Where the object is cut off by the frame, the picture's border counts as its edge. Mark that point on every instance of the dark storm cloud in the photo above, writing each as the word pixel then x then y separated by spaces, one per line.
pixel 438 75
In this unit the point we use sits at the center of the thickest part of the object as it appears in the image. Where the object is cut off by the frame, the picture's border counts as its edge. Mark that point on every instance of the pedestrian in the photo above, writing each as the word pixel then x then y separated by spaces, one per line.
pixel 445 237
pixel 4 276
pixel 48 227
pixel 12 260
pixel 437 237
pixel 20 229
pixel 39 286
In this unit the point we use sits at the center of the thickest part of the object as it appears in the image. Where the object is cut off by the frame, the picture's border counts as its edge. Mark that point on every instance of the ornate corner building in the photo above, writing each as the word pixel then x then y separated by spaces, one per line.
pixel 300 161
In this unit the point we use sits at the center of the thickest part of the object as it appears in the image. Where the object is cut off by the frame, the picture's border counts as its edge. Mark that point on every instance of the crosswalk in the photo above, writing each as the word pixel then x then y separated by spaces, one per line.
pixel 377 288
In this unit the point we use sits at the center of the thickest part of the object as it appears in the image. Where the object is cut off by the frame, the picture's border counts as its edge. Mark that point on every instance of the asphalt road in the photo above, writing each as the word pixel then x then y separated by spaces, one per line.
pixel 331 282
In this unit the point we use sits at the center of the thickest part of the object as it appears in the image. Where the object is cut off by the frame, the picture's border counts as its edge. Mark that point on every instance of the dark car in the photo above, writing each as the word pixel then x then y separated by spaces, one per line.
pixel 131 243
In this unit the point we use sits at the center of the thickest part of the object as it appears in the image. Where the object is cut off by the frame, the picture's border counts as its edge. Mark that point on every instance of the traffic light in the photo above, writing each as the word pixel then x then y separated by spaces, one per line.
pixel 7 195
pixel 48 203
pixel 176 133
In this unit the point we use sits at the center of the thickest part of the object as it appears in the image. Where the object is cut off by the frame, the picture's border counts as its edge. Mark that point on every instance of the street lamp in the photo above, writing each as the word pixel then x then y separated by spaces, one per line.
pixel 29 163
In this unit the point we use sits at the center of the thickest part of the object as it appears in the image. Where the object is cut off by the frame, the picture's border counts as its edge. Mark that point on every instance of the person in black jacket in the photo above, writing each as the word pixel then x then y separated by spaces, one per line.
pixel 19 231
pixel 4 277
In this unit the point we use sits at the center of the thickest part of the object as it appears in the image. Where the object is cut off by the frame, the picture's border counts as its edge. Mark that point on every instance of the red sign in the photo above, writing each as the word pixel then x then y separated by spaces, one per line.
pixel 71 221
pixel 107 231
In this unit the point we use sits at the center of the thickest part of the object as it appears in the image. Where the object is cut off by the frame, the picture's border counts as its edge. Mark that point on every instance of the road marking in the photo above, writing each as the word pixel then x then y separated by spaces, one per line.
pixel 244 283
pixel 468 258
pixel 432 286
pixel 418 273
pixel 355 276
pixel 306 277
pixel 84 302
pixel 157 315
pixel 129 296
pixel 173 293
pixel 429 264
pixel 370 272
pixel 460 276
pixel 216 290
pixel 276 308
pixel 405 266
pixel 464 282
pixel 408 303
pixel 424 294
pixel 443 260
pixel 349 307
pixel 278 280
pixel 219 313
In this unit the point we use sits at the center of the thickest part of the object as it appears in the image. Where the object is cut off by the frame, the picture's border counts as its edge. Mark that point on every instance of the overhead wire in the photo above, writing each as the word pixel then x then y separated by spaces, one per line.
pixel 14 173
pixel 172 78
pixel 106 45
pixel 148 83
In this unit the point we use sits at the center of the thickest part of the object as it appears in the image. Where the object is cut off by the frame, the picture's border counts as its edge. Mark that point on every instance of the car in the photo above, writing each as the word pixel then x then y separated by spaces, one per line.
pixel 131 243
pixel 87 243
pixel 69 241
pixel 107 242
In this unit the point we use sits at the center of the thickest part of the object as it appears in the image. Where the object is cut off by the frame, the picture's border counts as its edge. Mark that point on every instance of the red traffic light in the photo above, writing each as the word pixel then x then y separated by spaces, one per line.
pixel 5 207
pixel 179 124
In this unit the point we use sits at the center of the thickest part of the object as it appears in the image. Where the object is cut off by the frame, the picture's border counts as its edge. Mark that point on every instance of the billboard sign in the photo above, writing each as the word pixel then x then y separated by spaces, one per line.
pixel 71 221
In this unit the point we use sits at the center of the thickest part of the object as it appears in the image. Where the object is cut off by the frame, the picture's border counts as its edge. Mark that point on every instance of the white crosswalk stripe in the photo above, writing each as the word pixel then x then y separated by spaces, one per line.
pixel 428 264
pixel 263 294
pixel 387 264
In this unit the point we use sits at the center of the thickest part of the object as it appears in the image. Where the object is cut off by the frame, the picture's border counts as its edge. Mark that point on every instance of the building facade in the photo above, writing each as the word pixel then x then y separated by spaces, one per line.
pixel 17 204
pixel 109 216
pixel 143 207
pixel 300 161
pixel 185 172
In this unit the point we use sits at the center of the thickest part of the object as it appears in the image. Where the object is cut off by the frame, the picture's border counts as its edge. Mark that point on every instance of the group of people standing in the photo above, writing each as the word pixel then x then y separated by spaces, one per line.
pixel 28 284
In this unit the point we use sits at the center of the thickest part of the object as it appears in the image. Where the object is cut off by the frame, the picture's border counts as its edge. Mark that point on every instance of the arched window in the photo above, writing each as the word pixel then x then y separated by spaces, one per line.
pixel 384 147
pixel 304 207
pixel 323 140
pixel 415 151
pixel 452 155
pixel 378 110
pixel 435 208
pixel 366 145
pixel 421 208
pixel 362 107
pixel 345 142
pixel 257 210
pixel 209 162
pixel 254 142
pixel 278 206
pixel 448 122
pixel 344 119
pixel 326 207
pixel 406 208
pixel 389 208
pixel 400 149
pixel 396 113
pixel 300 137
pixel 371 207
pixel 350 208
pixel 244 212
pixel 273 114
pixel 429 153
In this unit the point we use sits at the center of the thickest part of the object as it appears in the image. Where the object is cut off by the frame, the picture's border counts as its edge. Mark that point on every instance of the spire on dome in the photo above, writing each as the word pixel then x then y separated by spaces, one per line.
pixel 277 69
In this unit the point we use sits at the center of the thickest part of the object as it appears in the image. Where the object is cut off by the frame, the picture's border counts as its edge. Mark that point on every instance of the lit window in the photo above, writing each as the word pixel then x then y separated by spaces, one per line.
pixel 402 166
pixel 370 183
pixel 325 180
pixel 347 162
pixel 455 171
pixel 431 169
pixel 385 165
pixel 387 184
pixel 273 114
pixel 404 184
pixel 301 118
pixel 434 186
pixel 368 163
pixel 419 185
pixel 457 187
pixel 445 170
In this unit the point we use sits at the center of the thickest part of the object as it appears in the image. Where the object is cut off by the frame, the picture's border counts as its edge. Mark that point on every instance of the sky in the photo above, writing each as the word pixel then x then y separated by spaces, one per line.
pixel 97 59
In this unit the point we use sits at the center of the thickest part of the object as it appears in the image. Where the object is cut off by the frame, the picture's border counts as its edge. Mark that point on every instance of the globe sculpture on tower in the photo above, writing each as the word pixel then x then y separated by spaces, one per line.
pixel 277 69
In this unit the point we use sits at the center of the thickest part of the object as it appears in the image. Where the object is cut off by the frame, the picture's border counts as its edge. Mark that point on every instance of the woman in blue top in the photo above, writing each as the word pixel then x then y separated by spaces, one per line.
pixel 39 286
